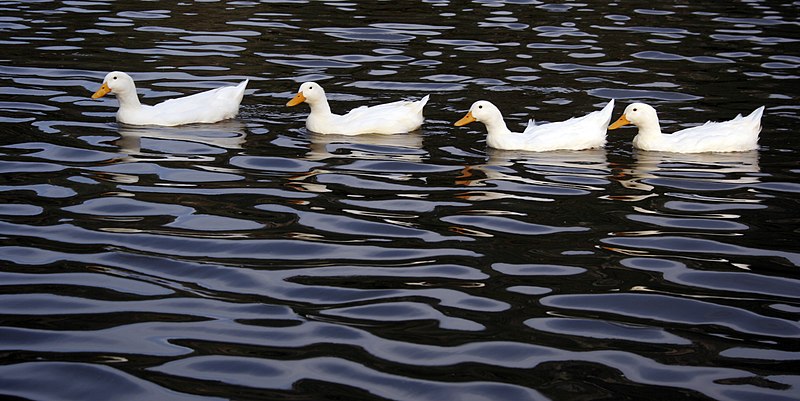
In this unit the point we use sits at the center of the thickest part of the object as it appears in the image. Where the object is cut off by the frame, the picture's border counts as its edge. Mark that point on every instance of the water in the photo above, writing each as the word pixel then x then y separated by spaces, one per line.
pixel 252 259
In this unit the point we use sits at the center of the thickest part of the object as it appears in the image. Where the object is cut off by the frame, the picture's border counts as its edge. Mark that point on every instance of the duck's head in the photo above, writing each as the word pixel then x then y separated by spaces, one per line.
pixel 117 82
pixel 638 114
pixel 482 111
pixel 309 92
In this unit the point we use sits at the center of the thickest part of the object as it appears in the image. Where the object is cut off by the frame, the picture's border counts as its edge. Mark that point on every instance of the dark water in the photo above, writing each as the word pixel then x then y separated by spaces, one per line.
pixel 253 260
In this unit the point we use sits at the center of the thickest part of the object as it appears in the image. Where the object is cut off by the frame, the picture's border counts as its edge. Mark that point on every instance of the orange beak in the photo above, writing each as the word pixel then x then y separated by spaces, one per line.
pixel 297 99
pixel 622 121
pixel 102 91
pixel 465 120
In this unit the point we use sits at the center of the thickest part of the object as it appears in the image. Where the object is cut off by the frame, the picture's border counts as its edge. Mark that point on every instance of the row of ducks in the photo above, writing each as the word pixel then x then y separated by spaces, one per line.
pixel 736 135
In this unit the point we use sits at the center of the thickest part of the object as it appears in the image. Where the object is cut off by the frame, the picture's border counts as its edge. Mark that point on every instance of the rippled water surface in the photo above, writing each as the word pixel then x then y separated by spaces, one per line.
pixel 252 259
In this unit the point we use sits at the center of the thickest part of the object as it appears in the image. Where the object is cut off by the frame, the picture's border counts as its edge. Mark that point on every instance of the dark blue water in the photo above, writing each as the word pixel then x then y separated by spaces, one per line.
pixel 251 259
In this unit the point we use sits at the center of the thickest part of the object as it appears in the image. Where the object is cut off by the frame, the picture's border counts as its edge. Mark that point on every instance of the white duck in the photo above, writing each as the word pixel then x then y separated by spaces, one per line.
pixel 389 118
pixel 737 135
pixel 204 107
pixel 578 133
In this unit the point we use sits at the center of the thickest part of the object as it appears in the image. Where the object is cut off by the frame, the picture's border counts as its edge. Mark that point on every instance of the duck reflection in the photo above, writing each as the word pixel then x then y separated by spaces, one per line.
pixel 327 148
pixel 563 171
pixel 696 169
pixel 188 142
pixel 406 146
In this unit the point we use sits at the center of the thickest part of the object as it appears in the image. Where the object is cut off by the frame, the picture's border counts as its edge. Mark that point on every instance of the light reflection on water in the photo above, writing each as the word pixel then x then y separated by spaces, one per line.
pixel 253 259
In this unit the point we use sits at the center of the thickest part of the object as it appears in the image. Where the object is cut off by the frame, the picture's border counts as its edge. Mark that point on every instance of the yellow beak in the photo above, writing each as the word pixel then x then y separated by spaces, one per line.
pixel 622 121
pixel 102 91
pixel 298 98
pixel 465 120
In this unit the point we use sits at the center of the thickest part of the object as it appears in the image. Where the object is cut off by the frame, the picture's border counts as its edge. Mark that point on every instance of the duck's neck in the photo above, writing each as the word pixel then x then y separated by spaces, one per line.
pixel 649 134
pixel 320 118
pixel 320 109
pixel 128 99
pixel 496 128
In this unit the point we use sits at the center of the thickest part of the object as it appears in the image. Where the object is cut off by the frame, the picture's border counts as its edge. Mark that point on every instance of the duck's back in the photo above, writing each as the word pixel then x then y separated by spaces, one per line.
pixel 736 135
pixel 576 133
pixel 389 118
pixel 205 107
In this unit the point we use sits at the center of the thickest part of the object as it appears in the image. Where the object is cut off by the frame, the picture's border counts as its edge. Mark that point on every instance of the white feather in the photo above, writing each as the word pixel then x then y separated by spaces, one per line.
pixel 737 135
pixel 389 118
pixel 204 107
pixel 577 133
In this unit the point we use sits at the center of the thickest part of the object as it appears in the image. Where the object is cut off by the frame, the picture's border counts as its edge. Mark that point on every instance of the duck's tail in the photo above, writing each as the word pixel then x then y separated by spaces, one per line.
pixel 420 104
pixel 241 87
pixel 607 112
pixel 755 119
pixel 756 114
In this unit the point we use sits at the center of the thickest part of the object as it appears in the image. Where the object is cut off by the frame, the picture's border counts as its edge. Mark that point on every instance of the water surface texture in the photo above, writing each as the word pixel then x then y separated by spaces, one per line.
pixel 252 259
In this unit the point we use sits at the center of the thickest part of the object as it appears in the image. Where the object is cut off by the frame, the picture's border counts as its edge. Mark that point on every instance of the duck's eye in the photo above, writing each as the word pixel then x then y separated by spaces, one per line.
pixel 634 109
pixel 115 77
pixel 480 106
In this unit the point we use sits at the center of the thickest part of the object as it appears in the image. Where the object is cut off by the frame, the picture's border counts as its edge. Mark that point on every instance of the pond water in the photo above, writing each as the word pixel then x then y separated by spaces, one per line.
pixel 252 259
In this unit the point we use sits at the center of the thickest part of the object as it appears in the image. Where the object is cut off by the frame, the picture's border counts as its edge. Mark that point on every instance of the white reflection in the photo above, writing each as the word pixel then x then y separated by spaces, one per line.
pixel 736 168
pixel 536 169
pixel 188 142
pixel 406 146
pixel 324 147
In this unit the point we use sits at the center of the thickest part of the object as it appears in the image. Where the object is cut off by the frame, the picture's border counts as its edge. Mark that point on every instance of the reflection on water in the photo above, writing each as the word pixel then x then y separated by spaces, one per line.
pixel 403 147
pixel 251 259
pixel 516 175
pixel 201 139
pixel 700 171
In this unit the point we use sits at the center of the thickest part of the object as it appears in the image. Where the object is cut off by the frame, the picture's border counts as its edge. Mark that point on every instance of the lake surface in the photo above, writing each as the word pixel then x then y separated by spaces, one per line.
pixel 252 259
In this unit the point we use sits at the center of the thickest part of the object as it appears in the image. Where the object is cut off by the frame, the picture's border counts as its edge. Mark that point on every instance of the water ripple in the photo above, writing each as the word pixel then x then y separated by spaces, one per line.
pixel 284 374
pixel 68 380
pixel 677 310
pixel 196 261
pixel 258 249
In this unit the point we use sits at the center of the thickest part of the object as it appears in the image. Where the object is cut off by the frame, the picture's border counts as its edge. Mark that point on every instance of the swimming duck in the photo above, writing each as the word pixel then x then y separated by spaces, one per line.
pixel 389 118
pixel 578 133
pixel 737 135
pixel 204 107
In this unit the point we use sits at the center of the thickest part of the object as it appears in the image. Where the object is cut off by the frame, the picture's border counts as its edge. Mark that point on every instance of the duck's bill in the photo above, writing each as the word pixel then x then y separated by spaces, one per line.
pixel 298 98
pixel 104 90
pixel 465 120
pixel 622 121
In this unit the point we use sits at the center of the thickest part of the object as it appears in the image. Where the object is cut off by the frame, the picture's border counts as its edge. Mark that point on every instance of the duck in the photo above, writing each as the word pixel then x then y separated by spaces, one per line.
pixel 577 133
pixel 389 118
pixel 205 107
pixel 737 135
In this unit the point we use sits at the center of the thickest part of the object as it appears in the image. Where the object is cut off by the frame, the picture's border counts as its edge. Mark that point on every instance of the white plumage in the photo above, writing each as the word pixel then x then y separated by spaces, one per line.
pixel 577 133
pixel 737 135
pixel 204 107
pixel 390 118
